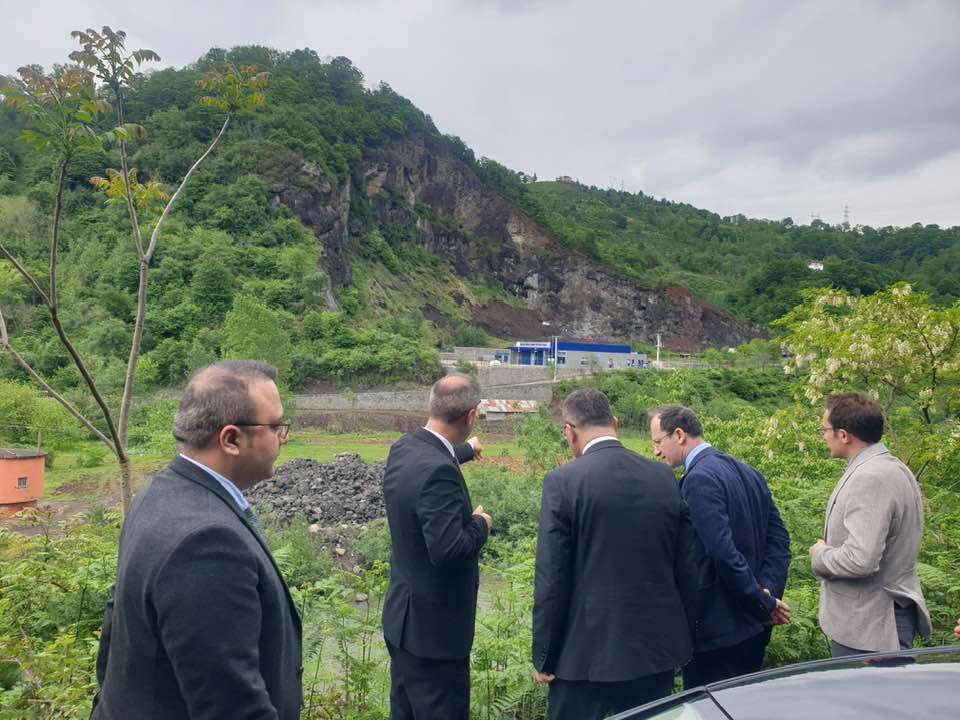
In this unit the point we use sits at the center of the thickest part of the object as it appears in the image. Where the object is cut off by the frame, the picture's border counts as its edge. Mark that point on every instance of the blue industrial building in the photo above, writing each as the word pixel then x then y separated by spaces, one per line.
pixel 567 353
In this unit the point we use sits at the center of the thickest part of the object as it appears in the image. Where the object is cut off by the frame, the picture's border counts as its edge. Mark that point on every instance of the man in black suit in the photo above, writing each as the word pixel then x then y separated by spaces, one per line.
pixel 743 549
pixel 201 624
pixel 431 605
pixel 615 588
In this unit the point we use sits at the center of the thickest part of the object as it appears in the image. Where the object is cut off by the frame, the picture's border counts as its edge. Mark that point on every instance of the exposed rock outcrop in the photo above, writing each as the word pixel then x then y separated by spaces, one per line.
pixel 419 183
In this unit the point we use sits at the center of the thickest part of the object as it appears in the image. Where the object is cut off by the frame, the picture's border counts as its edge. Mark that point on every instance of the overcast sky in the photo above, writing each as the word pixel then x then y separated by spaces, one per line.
pixel 769 108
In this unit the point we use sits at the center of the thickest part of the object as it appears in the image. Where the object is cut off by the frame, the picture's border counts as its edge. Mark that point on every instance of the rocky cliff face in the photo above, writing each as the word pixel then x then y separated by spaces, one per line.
pixel 417 182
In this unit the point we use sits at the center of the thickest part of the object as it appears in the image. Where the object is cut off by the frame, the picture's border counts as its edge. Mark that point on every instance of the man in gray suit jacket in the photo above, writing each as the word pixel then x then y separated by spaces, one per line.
pixel 870 598
pixel 201 624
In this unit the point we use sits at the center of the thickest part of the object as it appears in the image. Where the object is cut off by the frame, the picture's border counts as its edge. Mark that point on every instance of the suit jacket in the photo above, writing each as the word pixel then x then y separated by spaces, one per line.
pixel 615 586
pixel 743 546
pixel 431 604
pixel 874 526
pixel 201 624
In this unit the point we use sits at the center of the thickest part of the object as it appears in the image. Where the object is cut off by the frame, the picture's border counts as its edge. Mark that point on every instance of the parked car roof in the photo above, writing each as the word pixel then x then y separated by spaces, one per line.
pixel 912 684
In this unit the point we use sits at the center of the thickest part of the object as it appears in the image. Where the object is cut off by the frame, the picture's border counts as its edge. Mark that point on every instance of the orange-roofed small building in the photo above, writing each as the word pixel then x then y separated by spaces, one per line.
pixel 21 479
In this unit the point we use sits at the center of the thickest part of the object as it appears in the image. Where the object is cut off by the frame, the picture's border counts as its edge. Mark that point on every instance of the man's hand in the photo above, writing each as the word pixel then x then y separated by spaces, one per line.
pixel 781 613
pixel 956 630
pixel 543 678
pixel 480 513
pixel 474 442
pixel 816 547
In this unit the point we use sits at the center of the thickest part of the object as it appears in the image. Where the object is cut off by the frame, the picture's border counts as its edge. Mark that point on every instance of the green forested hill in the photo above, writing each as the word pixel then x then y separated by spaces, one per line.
pixel 236 272
pixel 755 268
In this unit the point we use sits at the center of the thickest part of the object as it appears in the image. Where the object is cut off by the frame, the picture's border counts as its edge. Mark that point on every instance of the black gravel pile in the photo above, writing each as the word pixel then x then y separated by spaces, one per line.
pixel 347 490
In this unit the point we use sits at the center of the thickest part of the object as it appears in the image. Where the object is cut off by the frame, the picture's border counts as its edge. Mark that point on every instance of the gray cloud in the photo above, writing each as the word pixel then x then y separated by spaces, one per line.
pixel 769 109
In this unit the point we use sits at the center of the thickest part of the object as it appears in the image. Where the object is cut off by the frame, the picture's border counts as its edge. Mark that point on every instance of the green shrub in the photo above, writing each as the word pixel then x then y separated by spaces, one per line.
pixel 373 544
pixel 93 455
pixel 301 554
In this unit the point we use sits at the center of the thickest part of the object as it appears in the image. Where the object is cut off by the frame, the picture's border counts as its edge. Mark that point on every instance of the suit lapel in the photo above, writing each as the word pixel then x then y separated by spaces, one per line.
pixel 196 474
pixel 699 456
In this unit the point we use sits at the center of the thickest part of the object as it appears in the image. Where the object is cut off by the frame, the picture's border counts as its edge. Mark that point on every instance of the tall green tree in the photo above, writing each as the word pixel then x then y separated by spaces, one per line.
pixel 254 332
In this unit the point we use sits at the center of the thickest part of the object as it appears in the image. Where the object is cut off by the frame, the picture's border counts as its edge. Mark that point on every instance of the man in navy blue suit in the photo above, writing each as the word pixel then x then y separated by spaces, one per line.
pixel 744 549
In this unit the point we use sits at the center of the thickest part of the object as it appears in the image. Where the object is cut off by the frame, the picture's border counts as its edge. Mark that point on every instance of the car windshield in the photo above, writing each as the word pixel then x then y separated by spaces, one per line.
pixel 695 705
pixel 905 688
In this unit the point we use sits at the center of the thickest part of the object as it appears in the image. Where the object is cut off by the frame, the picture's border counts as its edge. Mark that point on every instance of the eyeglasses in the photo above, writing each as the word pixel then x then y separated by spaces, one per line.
pixel 824 429
pixel 281 429
pixel 657 441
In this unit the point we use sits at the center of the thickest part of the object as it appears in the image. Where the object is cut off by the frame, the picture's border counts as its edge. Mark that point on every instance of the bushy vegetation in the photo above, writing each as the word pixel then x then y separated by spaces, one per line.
pixel 723 393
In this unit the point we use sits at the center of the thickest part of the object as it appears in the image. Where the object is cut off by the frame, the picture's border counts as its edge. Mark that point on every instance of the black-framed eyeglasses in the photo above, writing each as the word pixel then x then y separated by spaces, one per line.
pixel 824 429
pixel 657 441
pixel 281 429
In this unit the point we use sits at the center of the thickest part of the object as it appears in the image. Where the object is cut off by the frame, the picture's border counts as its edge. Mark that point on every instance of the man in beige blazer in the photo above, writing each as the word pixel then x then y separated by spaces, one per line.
pixel 870 597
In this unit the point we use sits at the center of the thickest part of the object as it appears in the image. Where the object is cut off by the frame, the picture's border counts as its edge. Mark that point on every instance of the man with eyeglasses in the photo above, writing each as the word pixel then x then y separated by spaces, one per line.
pixel 870 597
pixel 201 624
pixel 744 549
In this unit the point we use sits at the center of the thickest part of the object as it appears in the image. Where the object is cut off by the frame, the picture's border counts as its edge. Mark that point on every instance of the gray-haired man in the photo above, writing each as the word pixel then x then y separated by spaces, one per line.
pixel 201 623
pixel 430 608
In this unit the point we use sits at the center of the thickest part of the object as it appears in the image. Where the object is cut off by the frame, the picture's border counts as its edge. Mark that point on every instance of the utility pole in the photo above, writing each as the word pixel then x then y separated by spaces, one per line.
pixel 658 351
pixel 555 358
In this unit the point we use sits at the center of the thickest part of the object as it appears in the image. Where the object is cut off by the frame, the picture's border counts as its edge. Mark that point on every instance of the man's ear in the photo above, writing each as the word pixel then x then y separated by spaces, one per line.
pixel 616 424
pixel 681 435
pixel 230 439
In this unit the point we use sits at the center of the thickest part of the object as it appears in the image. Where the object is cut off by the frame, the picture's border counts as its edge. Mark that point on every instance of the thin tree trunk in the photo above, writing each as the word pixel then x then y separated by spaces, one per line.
pixel 55 234
pixel 119 448
pixel 155 235
pixel 126 400
pixel 126 489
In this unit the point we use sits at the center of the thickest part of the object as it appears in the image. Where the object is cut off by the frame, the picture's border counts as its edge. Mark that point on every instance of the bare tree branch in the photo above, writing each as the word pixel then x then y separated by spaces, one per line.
pixel 5 344
pixel 131 209
pixel 126 401
pixel 26 274
pixel 87 378
pixel 183 183
pixel 57 209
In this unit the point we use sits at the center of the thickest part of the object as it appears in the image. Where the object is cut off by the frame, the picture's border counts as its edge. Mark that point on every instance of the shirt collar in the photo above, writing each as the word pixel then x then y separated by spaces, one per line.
pixel 446 443
pixel 596 440
pixel 852 460
pixel 693 453
pixel 227 484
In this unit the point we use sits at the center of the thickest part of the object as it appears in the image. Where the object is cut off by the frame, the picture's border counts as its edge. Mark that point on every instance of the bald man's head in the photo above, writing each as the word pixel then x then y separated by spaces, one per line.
pixel 218 395
pixel 453 396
